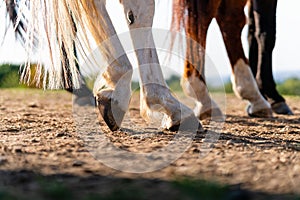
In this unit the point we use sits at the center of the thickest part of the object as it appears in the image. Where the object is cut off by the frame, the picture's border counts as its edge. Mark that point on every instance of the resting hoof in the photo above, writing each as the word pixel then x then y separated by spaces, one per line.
pixel 83 96
pixel 111 113
pixel 263 113
pixel 281 108
pixel 189 124
pixel 84 101
pixel 214 114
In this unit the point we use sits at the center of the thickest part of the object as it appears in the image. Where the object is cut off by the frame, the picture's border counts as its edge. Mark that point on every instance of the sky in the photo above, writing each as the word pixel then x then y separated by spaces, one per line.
pixel 285 56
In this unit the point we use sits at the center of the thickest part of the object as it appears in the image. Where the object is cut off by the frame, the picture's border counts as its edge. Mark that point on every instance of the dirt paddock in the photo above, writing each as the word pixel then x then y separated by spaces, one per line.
pixel 43 156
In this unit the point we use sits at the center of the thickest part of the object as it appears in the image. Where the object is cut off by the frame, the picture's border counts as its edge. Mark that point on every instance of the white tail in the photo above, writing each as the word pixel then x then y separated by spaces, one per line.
pixel 54 23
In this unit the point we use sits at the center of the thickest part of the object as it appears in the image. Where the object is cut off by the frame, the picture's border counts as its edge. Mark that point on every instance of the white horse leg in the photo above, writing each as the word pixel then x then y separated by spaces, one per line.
pixel 155 95
pixel 245 87
pixel 113 97
pixel 205 106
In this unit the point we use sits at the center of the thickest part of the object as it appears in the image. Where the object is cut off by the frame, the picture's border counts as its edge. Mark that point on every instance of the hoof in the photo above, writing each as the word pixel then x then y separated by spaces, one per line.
pixel 111 113
pixel 83 96
pixel 189 124
pixel 281 108
pixel 263 113
pixel 84 101
pixel 214 114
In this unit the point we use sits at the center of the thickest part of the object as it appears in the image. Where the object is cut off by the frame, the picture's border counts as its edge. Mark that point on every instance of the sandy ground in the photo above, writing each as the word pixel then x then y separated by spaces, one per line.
pixel 44 137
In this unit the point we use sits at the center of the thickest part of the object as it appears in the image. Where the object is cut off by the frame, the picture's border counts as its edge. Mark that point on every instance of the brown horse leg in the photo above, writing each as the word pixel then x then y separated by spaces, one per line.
pixel 193 80
pixel 231 21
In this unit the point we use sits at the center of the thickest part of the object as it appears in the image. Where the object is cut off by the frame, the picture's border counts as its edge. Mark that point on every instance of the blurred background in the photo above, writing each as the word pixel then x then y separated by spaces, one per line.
pixel 286 62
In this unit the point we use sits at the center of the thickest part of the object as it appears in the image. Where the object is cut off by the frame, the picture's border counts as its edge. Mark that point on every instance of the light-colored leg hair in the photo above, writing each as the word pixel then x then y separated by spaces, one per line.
pixel 245 87
pixel 155 95
pixel 205 106
pixel 114 95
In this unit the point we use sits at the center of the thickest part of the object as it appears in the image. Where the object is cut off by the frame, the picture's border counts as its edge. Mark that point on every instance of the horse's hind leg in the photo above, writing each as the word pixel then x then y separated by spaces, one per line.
pixel 193 81
pixel 261 42
pixel 231 20
pixel 83 95
pixel 155 95
pixel 113 96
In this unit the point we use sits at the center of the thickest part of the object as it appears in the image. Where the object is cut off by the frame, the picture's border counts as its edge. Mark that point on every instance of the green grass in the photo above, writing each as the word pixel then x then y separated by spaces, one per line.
pixel 289 87
pixel 55 190
pixel 186 189
pixel 4 195
pixel 9 76
pixel 200 189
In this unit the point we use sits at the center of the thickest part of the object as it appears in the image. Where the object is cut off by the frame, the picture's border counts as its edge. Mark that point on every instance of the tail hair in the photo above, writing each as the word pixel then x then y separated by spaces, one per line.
pixel 12 14
pixel 48 28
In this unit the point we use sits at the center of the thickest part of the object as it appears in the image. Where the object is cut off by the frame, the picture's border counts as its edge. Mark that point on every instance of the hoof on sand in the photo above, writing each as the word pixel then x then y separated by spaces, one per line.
pixel 263 113
pixel 189 124
pixel 111 113
pixel 281 108
pixel 214 114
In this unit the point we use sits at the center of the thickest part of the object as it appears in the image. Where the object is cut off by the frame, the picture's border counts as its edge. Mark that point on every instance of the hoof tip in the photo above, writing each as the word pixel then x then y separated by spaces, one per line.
pixel 263 113
pixel 281 108
pixel 189 124
pixel 111 113
pixel 214 114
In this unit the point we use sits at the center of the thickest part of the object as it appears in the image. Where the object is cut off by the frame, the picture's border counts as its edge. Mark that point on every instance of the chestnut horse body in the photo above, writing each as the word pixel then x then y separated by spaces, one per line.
pixel 195 16
pixel 229 15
